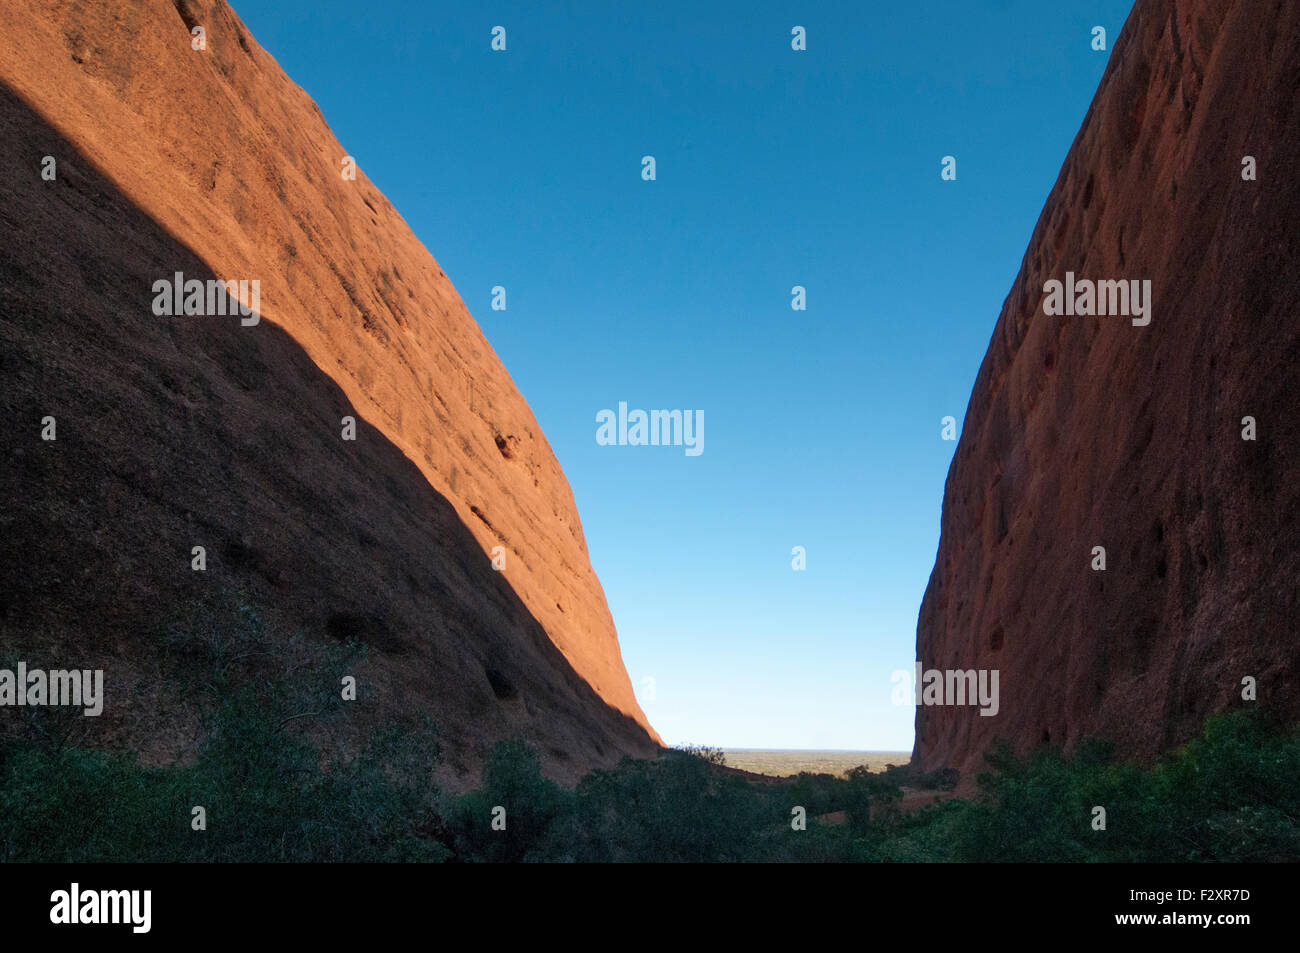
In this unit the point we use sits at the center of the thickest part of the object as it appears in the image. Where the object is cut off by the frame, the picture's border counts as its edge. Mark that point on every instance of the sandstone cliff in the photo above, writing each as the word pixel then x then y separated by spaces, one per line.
pixel 180 431
pixel 1090 431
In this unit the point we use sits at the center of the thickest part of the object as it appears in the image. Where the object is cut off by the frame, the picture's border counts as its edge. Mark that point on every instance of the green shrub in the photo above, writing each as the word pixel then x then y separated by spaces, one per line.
pixel 513 781
pixel 272 793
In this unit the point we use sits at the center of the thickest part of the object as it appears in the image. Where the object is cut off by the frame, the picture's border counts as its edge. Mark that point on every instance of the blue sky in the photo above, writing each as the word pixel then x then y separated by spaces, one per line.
pixel 775 168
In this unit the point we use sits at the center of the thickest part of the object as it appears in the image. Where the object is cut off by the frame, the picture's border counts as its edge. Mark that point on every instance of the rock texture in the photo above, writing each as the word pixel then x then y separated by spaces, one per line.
pixel 174 432
pixel 1088 431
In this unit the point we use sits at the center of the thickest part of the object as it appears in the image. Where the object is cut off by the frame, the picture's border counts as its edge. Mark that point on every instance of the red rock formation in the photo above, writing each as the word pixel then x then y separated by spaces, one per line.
pixel 1089 431
pixel 179 431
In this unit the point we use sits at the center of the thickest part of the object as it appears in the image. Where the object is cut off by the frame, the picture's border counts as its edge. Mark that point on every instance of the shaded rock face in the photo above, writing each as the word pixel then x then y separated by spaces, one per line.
pixel 1090 431
pixel 175 432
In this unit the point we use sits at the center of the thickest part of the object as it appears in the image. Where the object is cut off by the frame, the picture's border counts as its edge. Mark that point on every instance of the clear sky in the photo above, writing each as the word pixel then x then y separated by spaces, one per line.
pixel 775 168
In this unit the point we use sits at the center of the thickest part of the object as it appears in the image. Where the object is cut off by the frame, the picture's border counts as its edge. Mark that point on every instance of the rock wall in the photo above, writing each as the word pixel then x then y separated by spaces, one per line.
pixel 178 431
pixel 1087 431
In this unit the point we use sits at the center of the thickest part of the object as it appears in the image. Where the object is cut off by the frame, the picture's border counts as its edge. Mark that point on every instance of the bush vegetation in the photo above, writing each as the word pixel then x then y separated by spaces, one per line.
pixel 1232 794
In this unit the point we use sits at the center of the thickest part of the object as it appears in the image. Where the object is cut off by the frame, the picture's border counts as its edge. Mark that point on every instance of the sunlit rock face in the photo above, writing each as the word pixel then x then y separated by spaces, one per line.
pixel 174 161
